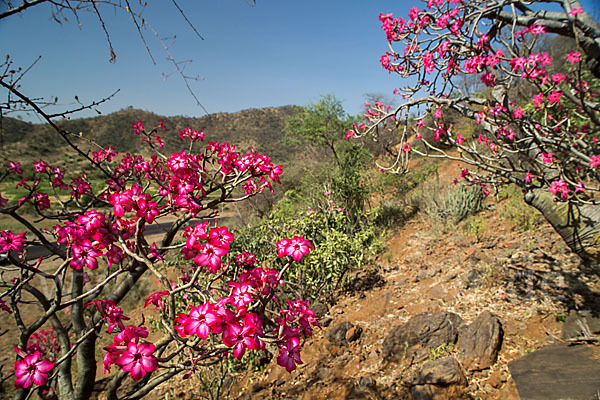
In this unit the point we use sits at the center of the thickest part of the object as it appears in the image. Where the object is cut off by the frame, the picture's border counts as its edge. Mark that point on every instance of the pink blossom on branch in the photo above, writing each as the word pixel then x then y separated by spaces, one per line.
pixel 573 57
pixel 138 360
pixel 296 247
pixel 31 370
pixel 289 354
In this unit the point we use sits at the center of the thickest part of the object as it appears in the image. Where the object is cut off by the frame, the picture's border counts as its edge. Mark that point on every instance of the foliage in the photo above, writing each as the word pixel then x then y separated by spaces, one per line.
pixel 451 205
pixel 516 210
pixel 339 244
pixel 319 124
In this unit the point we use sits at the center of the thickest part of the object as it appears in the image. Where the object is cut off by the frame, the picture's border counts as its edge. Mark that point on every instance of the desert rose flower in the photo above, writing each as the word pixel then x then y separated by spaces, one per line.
pixel 32 370
pixel 138 360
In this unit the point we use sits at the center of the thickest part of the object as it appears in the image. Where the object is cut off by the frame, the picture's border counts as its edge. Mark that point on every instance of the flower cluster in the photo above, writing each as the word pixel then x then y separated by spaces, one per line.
pixel 139 190
pixel 129 353
pixel 207 247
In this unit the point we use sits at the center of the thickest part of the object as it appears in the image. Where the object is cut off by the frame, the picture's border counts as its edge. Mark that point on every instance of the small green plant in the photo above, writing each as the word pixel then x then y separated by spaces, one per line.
pixel 452 205
pixel 560 317
pixel 442 350
pixel 475 226
pixel 340 243
pixel 515 209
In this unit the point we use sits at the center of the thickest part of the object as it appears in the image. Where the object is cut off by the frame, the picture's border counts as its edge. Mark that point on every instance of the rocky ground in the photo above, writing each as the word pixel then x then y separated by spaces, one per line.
pixel 445 315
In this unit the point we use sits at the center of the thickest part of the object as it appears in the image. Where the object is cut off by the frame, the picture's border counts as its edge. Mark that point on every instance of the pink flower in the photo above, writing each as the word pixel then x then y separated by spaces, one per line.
pixel 594 161
pixel 199 321
pixel 138 360
pixel 84 254
pixel 32 370
pixel 289 354
pixel 576 11
pixel 15 167
pixel 538 99
pixel 137 127
pixel 10 241
pixel 518 113
pixel 156 299
pixel 537 29
pixel 559 186
pixel 573 57
pixel 295 248
pixel 554 97
pixel 220 237
pixel 4 307
pixel 210 256
pixel 528 177
pixel 547 158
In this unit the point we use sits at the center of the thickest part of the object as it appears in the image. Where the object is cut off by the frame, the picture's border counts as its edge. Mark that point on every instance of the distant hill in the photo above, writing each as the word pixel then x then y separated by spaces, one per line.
pixel 260 128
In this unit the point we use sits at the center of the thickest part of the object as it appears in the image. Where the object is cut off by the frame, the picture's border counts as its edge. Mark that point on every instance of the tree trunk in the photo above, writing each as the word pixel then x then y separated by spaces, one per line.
pixel 578 225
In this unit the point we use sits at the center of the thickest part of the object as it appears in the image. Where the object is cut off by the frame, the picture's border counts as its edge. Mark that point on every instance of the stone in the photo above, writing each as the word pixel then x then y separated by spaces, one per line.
pixel 320 309
pixel 473 279
pixel 353 333
pixel 557 371
pixel 480 342
pixel 422 332
pixel 326 322
pixel 495 379
pixel 439 379
pixel 367 382
pixel 437 293
pixel 444 371
pixel 337 334
pixel 577 321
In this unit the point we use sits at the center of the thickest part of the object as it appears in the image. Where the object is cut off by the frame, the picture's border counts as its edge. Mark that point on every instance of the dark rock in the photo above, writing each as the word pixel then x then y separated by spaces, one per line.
pixel 353 333
pixel 444 371
pixel 558 371
pixel 480 342
pixel 320 309
pixel 473 279
pixel 367 382
pixel 577 322
pixel 421 333
pixel 440 379
pixel 337 334
pixel 426 392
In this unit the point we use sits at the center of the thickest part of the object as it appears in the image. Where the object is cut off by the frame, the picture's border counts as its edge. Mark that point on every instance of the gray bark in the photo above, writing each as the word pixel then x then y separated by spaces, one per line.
pixel 578 225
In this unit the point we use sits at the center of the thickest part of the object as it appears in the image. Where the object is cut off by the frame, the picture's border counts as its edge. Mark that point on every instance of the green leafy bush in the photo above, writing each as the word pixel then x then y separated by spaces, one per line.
pixel 339 244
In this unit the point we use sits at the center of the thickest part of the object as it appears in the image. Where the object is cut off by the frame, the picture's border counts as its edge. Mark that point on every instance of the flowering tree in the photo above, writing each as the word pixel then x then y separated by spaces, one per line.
pixel 216 305
pixel 547 144
pixel 209 302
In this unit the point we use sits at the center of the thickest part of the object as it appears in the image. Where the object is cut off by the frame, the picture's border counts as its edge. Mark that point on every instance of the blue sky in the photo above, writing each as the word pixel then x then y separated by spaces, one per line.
pixel 275 53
